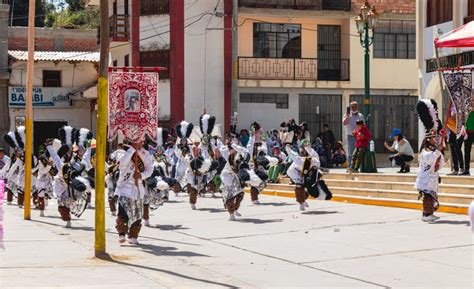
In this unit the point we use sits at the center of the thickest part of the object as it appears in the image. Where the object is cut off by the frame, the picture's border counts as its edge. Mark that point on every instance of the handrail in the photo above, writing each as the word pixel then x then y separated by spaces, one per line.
pixel 294 69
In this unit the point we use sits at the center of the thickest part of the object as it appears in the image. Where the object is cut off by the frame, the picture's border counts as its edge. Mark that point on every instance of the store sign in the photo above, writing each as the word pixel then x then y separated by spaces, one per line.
pixel 42 96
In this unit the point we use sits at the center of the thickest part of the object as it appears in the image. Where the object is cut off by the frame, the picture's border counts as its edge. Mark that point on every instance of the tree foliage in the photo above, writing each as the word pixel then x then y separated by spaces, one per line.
pixel 20 12
pixel 76 15
pixel 76 5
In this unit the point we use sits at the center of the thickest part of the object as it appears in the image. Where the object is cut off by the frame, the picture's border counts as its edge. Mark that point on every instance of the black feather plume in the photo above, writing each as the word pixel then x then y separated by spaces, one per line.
pixel 189 130
pixel 9 140
pixel 425 115
pixel 18 139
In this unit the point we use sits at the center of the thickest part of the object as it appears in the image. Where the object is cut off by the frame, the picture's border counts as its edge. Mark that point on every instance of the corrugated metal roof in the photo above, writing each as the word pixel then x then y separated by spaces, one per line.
pixel 81 56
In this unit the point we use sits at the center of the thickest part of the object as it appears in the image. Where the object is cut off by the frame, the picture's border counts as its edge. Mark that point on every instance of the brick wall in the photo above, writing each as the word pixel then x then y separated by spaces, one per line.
pixel 74 44
pixel 53 39
pixel 387 6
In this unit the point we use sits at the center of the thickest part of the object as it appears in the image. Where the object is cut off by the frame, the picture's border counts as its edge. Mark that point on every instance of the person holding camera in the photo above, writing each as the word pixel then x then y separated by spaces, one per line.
pixel 350 119
pixel 403 151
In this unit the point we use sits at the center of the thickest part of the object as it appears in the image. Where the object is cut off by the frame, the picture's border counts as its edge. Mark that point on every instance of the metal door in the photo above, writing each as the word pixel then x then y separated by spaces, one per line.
pixel 329 52
pixel 389 112
pixel 318 109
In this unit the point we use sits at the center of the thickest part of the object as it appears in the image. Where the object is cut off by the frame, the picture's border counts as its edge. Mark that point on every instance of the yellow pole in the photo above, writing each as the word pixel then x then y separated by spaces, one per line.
pixel 100 167
pixel 102 107
pixel 29 109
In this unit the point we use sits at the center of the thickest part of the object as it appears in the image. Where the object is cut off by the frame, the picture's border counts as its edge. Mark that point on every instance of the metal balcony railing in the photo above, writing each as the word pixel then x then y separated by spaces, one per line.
pixel 286 4
pixel 294 69
pixel 339 5
pixel 120 27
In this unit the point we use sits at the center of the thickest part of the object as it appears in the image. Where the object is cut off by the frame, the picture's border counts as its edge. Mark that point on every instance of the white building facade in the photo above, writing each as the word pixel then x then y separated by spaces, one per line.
pixel 184 36
pixel 64 91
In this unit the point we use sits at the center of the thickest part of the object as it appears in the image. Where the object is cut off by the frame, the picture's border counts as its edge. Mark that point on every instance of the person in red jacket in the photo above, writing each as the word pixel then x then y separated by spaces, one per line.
pixel 363 137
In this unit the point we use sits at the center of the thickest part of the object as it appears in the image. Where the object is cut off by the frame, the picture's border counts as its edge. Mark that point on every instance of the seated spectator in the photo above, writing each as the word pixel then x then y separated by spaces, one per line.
pixel 319 148
pixel 276 171
pixel 402 149
pixel 328 139
pixel 339 156
pixel 244 137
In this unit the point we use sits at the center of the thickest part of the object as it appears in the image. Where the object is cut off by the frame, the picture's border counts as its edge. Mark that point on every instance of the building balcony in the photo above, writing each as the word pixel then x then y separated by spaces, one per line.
pixel 120 28
pixel 339 5
pixel 294 69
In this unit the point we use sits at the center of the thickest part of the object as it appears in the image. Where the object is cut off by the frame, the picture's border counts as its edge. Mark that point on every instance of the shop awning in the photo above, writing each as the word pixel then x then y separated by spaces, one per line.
pixel 463 36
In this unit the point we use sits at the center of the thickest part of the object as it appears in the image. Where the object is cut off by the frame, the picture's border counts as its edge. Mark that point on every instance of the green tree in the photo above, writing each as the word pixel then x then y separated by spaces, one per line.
pixel 86 18
pixel 20 12
pixel 76 5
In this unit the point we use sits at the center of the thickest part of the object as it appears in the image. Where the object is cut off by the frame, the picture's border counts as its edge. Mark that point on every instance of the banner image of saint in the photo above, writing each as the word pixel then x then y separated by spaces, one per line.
pixel 133 105
pixel 132 100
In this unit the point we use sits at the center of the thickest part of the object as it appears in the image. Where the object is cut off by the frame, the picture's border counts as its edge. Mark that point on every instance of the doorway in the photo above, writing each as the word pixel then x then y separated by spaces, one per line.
pixel 43 130
pixel 318 109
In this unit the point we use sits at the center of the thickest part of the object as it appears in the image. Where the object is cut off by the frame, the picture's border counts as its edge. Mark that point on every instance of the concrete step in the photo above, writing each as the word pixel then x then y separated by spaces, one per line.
pixel 400 195
pixel 454 208
pixel 381 191
pixel 404 178
pixel 444 188
pixel 382 177
pixel 396 186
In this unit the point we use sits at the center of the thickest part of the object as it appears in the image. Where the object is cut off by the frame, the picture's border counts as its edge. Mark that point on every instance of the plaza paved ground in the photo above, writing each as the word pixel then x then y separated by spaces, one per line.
pixel 332 245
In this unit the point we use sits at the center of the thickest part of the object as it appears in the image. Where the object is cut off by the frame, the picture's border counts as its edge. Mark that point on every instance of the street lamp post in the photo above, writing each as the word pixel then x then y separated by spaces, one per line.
pixel 366 22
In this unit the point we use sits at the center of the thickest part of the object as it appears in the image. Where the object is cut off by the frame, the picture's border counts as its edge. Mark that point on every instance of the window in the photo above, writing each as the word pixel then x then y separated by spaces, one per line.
pixel 439 11
pixel 154 7
pixel 395 39
pixel 470 7
pixel 281 100
pixel 115 63
pixel 156 58
pixel 51 78
pixel 126 60
pixel 276 40
pixel 470 12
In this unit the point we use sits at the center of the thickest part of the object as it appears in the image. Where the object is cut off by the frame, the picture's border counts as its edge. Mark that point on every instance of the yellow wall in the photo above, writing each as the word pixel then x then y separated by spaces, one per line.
pixel 386 73
pixel 308 33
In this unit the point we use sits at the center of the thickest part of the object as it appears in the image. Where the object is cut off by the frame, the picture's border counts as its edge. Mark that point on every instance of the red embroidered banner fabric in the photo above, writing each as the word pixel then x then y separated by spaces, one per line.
pixel 133 105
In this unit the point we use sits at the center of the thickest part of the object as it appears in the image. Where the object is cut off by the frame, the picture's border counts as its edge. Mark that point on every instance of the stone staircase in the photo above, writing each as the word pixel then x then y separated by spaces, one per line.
pixel 392 190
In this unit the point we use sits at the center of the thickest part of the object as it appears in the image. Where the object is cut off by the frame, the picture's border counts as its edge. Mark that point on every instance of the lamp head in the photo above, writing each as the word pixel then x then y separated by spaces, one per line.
pixel 360 24
pixel 364 10
pixel 372 18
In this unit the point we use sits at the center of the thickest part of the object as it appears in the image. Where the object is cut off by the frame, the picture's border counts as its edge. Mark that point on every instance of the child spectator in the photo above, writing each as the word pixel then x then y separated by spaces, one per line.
pixel 363 137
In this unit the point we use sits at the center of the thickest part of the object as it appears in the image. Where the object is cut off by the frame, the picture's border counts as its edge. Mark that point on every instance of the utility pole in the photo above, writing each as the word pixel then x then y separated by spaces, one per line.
pixel 29 110
pixel 235 56
pixel 102 107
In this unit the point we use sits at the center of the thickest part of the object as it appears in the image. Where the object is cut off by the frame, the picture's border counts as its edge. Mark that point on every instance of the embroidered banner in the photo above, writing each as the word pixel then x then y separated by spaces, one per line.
pixel 460 86
pixel 133 105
